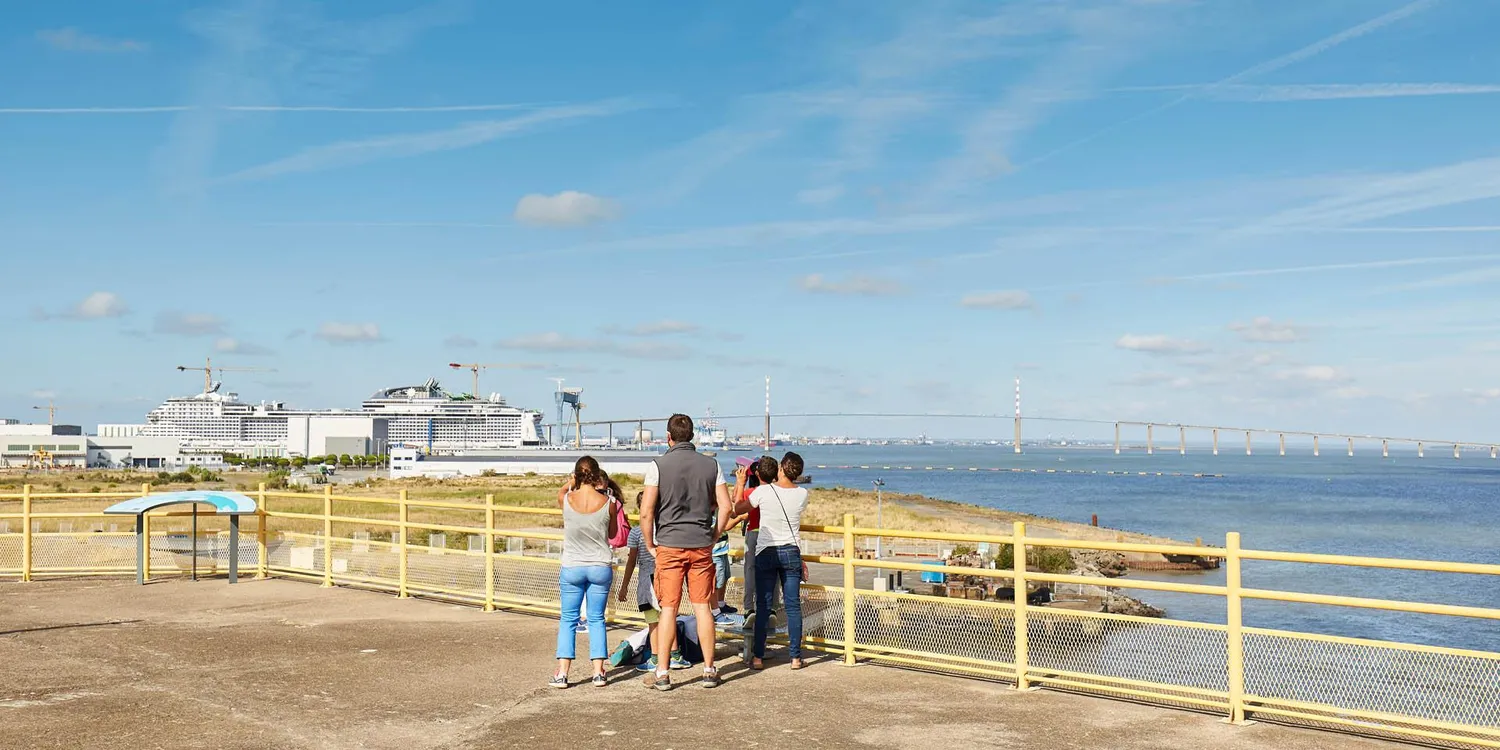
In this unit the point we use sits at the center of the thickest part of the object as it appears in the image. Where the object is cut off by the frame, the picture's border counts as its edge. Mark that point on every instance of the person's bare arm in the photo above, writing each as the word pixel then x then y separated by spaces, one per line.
pixel 721 494
pixel 614 518
pixel 629 571
pixel 648 517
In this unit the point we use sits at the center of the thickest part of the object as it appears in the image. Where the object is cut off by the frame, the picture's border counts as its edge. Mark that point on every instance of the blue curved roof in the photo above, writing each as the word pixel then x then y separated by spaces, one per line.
pixel 225 503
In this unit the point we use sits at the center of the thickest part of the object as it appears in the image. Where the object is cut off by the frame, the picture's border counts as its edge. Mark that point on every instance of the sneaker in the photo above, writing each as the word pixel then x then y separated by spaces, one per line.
pixel 648 665
pixel 728 609
pixel 724 619
pixel 662 682
pixel 711 677
pixel 581 627
pixel 678 662
pixel 559 681
pixel 600 680
pixel 622 654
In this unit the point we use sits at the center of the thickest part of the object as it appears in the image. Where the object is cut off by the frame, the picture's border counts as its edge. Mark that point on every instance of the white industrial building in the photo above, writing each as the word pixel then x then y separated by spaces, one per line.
pixel 408 462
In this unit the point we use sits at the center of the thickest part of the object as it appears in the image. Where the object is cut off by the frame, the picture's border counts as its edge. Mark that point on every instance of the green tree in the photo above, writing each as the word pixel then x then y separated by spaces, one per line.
pixel 345 460
pixel 283 463
pixel 298 462
pixel 361 460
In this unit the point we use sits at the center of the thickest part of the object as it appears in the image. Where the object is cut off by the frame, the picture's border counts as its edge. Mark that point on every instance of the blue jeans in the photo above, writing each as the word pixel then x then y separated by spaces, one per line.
pixel 779 565
pixel 582 584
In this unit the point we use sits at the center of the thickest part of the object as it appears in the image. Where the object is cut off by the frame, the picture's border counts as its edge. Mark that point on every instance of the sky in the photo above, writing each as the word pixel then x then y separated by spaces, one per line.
pixel 1234 212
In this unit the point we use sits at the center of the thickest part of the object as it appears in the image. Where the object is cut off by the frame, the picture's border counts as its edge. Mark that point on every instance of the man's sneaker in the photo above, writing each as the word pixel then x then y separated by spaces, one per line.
pixel 648 665
pixel 728 609
pixel 724 619
pixel 621 655
pixel 678 662
pixel 662 682
pixel 558 681
pixel 711 677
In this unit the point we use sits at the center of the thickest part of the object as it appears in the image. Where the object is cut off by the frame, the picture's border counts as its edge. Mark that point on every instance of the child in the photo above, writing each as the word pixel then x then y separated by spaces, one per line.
pixel 645 596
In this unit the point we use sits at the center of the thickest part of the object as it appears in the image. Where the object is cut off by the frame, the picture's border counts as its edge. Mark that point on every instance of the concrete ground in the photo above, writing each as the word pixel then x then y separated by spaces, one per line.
pixel 278 664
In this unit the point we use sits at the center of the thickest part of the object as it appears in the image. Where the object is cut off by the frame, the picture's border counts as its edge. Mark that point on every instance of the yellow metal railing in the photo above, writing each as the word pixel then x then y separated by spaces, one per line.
pixel 1398 690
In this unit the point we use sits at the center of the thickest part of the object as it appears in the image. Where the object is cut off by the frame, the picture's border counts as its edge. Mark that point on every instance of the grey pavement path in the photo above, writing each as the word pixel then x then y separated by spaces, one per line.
pixel 279 664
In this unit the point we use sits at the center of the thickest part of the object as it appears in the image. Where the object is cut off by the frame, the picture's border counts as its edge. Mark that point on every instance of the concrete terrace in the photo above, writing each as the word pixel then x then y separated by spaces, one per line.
pixel 279 664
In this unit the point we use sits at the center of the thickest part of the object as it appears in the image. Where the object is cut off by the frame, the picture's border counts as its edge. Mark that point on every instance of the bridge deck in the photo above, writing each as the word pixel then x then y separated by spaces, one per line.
pixel 105 664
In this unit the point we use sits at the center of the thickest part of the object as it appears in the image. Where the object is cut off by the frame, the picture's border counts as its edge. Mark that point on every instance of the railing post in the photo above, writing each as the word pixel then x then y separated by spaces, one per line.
pixel 262 559
pixel 327 535
pixel 848 590
pixel 1236 638
pixel 401 549
pixel 489 553
pixel 1018 566
pixel 25 532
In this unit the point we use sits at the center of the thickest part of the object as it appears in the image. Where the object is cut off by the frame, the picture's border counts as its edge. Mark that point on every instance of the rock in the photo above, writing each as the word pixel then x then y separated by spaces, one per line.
pixel 1098 563
pixel 1119 604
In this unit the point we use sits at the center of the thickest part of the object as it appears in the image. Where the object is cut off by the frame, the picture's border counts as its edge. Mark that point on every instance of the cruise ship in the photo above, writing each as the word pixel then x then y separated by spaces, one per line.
pixel 424 417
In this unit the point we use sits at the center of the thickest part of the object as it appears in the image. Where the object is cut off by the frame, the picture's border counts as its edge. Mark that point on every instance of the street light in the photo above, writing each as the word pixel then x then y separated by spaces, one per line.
pixel 879 505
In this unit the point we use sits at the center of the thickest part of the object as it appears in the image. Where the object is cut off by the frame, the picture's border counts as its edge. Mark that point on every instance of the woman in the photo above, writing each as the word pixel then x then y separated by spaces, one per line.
pixel 778 555
pixel 588 503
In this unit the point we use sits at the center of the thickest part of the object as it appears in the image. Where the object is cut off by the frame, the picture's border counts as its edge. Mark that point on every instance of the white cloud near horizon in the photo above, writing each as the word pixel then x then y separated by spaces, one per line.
pixel 1307 92
pixel 230 345
pixel 568 208
pixel 655 328
pixel 96 306
pixel 1264 330
pixel 174 323
pixel 553 341
pixel 1013 299
pixel 70 39
pixel 348 333
pixel 858 285
pixel 403 145
pixel 1159 344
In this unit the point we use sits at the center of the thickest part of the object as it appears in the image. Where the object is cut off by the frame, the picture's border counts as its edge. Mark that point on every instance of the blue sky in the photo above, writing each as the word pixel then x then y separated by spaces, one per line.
pixel 1242 212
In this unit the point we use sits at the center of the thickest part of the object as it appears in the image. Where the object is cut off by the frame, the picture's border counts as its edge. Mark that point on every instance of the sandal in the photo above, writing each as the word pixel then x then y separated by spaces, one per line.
pixel 757 664
pixel 797 664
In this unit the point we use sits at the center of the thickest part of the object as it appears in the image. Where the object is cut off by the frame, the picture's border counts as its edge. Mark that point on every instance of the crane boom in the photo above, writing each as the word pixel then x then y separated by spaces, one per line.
pixel 475 367
pixel 208 371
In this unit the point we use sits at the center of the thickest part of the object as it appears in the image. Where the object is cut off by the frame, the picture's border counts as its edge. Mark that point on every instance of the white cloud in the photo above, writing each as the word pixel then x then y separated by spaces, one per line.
pixel 1013 299
pixel 348 333
pixel 459 342
pixel 44 395
pixel 857 285
pixel 814 196
pixel 1264 330
pixel 1482 396
pixel 569 208
pixel 1314 374
pixel 1159 344
pixel 188 324
pixel 227 345
pixel 1326 91
pixel 551 341
pixel 99 305
pixel 70 39
pixel 655 328
pixel 1465 278
pixel 402 145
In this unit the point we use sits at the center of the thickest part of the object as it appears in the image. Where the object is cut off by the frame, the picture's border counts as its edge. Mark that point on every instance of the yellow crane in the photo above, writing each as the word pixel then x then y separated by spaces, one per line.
pixel 51 409
pixel 208 371
pixel 476 367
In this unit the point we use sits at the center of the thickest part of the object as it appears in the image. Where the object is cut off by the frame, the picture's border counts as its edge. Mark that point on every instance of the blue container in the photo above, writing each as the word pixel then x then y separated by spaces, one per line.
pixel 929 576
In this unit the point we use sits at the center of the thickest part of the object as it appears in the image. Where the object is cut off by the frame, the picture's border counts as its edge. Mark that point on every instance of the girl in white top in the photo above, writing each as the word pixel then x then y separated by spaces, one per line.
pixel 778 555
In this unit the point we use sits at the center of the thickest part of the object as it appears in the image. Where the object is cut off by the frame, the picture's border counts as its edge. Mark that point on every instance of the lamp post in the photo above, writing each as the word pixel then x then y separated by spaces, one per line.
pixel 879 523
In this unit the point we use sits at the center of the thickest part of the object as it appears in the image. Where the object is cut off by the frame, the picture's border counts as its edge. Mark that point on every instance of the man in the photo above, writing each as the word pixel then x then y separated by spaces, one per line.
pixel 686 507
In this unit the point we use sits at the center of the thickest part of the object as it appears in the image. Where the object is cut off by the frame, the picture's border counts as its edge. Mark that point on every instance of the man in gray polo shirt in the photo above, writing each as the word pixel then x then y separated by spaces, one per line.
pixel 684 509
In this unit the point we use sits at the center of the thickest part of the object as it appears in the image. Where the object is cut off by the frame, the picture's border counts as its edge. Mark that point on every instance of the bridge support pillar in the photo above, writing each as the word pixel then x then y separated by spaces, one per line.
pixel 1385 449
pixel 1494 451
pixel 1117 438
pixel 1281 440
pixel 1421 451
pixel 1247 442
pixel 1315 445
pixel 1455 450
pixel 1216 441
pixel 1182 441
pixel 1351 446
pixel 1150 444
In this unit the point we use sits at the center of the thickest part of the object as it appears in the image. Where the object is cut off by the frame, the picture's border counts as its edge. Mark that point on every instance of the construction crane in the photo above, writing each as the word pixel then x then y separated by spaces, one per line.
pixel 51 409
pixel 208 371
pixel 477 366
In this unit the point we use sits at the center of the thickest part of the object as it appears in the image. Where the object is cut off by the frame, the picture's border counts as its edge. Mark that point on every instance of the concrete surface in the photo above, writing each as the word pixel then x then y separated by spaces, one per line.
pixel 279 664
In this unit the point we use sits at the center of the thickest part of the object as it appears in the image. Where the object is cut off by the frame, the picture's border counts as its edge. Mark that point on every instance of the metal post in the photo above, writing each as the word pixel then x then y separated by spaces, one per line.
pixel 1117 438
pixel 261 535
pixel 1018 566
pixel 142 549
pixel 879 516
pixel 1216 441
pixel 1236 652
pixel 1182 441
pixel 1150 446
pixel 195 542
pixel 234 549
pixel 401 550
pixel 26 532
pixel 489 553
pixel 146 534
pixel 848 590
pixel 327 535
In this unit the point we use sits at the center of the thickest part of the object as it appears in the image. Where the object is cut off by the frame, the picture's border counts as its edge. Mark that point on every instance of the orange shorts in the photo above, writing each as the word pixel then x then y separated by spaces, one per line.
pixel 674 564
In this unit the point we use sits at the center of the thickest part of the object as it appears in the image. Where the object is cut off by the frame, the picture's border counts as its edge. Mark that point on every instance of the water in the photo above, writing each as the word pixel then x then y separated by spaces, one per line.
pixel 1434 508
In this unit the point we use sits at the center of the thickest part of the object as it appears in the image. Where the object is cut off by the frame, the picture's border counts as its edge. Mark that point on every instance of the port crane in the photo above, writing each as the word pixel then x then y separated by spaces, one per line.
pixel 477 366
pixel 208 371
pixel 51 409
